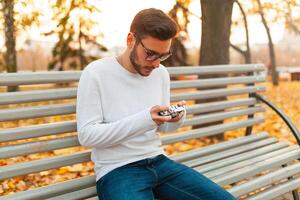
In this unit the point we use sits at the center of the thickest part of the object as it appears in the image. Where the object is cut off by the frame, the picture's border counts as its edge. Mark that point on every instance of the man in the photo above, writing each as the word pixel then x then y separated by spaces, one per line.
pixel 118 105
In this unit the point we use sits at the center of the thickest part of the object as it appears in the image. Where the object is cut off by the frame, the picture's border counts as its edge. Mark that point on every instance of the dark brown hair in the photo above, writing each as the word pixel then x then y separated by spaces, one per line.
pixel 155 23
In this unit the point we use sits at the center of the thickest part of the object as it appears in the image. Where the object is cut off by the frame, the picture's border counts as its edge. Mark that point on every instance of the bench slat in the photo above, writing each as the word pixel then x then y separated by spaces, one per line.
pixel 278 190
pixel 43 164
pixel 37 147
pixel 79 194
pixel 214 69
pixel 38 95
pixel 206 94
pixel 215 117
pixel 229 152
pixel 265 180
pixel 220 105
pixel 216 82
pixel 211 130
pixel 236 166
pixel 26 78
pixel 53 190
pixel 93 198
pixel 257 168
pixel 270 150
pixel 200 152
pixel 37 111
pixel 69 108
pixel 37 130
pixel 68 93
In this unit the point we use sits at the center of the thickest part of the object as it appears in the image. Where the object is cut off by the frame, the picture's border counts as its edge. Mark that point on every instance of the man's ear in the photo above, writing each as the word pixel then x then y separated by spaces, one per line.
pixel 130 40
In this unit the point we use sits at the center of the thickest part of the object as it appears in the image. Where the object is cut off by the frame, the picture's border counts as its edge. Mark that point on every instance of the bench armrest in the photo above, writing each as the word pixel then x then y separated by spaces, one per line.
pixel 285 118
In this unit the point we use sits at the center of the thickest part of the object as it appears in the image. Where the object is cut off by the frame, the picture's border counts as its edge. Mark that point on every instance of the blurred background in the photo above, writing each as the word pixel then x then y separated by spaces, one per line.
pixel 68 34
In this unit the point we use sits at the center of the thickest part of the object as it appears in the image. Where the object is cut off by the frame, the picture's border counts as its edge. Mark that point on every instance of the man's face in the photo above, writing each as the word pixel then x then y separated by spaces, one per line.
pixel 143 52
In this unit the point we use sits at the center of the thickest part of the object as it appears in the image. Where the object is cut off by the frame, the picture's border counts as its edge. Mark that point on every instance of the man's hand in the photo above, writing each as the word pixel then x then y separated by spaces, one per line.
pixel 178 117
pixel 156 117
pixel 162 119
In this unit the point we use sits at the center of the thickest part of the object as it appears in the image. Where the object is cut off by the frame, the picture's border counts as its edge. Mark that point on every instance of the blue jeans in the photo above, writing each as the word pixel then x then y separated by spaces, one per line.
pixel 158 177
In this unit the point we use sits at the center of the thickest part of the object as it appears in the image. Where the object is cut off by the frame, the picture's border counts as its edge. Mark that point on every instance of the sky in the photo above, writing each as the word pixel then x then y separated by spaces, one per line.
pixel 116 16
pixel 116 27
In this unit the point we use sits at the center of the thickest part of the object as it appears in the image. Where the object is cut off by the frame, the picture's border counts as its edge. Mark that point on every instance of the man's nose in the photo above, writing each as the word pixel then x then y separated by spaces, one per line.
pixel 156 63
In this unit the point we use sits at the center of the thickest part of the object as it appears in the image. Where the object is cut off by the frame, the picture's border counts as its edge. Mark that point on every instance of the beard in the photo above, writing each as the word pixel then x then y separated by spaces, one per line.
pixel 133 59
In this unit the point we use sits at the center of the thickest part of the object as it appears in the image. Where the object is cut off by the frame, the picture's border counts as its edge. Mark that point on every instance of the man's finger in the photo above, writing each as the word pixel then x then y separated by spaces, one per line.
pixel 182 103
pixel 163 118
pixel 160 108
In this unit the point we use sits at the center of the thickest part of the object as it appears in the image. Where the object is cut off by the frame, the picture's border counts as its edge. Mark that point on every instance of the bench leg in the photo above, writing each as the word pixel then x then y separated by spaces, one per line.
pixel 295 195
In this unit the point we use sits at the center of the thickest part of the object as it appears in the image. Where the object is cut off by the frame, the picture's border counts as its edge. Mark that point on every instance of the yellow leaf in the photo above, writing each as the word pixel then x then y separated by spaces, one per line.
pixel 11 185
pixel 185 147
pixel 63 170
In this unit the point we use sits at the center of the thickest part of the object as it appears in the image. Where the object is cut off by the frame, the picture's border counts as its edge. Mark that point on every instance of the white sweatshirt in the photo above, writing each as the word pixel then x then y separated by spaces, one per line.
pixel 113 113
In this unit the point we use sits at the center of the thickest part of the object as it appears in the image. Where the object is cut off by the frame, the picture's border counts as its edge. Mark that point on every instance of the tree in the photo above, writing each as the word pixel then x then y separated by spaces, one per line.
pixel 2 66
pixel 266 12
pixel 74 31
pixel 13 28
pixel 216 23
pixel 179 57
pixel 9 31
pixel 246 53
pixel 13 9
pixel 270 43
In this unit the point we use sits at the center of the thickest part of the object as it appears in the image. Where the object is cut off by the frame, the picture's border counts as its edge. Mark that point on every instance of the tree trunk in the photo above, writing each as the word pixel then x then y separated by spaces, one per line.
pixel 10 55
pixel 216 23
pixel 271 46
pixel 246 53
pixel 80 51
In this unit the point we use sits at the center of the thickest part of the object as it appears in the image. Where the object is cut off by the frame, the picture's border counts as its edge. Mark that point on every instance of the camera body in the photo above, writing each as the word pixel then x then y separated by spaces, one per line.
pixel 173 111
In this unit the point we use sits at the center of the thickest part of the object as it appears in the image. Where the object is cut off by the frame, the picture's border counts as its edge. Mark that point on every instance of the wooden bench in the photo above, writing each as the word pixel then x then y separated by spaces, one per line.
pixel 242 165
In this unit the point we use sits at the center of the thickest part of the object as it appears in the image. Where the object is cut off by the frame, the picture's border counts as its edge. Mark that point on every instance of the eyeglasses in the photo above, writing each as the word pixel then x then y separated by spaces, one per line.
pixel 152 55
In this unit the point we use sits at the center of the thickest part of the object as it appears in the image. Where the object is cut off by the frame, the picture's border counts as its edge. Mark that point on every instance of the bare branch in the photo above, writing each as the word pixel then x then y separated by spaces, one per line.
pixel 238 49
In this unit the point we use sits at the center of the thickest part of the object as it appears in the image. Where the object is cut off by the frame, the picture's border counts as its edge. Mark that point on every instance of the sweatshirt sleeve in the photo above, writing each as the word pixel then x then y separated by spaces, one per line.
pixel 171 126
pixel 91 128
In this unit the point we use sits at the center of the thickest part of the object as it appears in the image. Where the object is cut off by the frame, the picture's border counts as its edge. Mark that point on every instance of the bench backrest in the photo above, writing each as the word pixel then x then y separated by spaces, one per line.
pixel 39 121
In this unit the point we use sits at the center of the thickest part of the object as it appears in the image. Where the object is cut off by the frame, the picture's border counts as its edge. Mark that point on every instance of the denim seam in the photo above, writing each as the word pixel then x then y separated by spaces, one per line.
pixel 155 174
pixel 183 191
